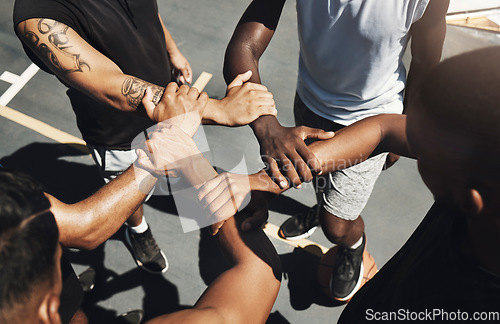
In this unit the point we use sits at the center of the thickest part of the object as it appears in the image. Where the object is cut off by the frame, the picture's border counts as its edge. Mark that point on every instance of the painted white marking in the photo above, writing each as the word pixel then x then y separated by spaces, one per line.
pixel 9 77
pixel 19 83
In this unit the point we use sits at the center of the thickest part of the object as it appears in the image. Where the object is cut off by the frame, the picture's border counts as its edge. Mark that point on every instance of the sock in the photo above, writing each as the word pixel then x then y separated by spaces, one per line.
pixel 141 228
pixel 357 244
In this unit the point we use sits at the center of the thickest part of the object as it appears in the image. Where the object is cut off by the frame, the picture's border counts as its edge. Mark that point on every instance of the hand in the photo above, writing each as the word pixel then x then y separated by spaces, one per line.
pixel 283 148
pixel 244 102
pixel 181 67
pixel 225 195
pixel 390 160
pixel 228 194
pixel 180 106
pixel 167 149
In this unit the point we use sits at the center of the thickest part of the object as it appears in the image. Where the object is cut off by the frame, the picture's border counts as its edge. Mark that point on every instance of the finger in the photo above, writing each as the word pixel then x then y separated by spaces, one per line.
pixel 276 174
pixel 148 104
pixel 171 88
pixel 216 198
pixel 214 229
pixel 210 185
pixel 144 161
pixel 289 169
pixel 308 132
pixel 260 88
pixel 310 159
pixel 256 220
pixel 187 73
pixel 240 79
pixel 193 93
pixel 228 209
pixel 301 167
pixel 183 89
pixel 182 80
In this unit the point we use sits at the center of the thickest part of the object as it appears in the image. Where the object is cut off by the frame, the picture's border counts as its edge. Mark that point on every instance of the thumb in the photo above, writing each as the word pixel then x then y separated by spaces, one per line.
pixel 240 79
pixel 317 134
pixel 257 220
pixel 147 101
pixel 144 161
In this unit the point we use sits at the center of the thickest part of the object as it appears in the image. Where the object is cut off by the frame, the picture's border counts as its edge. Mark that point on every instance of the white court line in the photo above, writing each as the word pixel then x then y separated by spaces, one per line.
pixel 18 83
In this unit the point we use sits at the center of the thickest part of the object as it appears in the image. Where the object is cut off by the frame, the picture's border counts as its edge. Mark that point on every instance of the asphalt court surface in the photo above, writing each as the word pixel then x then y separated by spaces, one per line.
pixel 202 30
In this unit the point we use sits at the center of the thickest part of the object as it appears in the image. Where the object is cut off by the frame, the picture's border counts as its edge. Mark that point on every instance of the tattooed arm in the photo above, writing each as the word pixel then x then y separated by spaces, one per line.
pixel 81 66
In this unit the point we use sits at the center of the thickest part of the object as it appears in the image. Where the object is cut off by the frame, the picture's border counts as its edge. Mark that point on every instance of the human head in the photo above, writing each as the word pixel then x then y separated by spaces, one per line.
pixel 30 276
pixel 455 131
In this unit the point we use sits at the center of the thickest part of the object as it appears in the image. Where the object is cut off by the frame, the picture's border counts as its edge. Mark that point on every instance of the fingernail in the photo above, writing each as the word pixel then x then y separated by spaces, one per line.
pixel 320 172
pixel 283 184
pixel 298 187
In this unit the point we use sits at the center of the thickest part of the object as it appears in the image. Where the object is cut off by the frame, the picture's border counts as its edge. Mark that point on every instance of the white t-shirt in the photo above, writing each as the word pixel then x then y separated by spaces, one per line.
pixel 350 63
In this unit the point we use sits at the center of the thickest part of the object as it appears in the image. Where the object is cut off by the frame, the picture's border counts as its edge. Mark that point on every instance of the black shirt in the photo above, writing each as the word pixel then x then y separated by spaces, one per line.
pixel 129 33
pixel 429 272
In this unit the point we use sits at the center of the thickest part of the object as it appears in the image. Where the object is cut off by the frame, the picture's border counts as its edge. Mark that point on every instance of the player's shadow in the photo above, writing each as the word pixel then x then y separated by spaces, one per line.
pixel 300 269
pixel 70 175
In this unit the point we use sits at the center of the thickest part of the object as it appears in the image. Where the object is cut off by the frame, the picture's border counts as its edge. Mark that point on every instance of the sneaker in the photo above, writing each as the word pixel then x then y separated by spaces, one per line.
pixel 87 279
pixel 146 252
pixel 348 272
pixel 301 225
pixel 132 317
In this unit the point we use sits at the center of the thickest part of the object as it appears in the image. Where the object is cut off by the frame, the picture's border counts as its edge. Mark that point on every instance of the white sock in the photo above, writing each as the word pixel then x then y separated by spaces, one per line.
pixel 357 244
pixel 141 228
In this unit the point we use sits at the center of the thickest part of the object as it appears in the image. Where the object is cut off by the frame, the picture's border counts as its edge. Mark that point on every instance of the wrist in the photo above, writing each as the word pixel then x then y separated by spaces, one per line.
pixel 262 125
pixel 260 181
pixel 213 111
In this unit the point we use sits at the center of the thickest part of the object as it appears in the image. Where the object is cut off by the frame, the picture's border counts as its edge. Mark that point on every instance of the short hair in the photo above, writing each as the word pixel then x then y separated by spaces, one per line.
pixel 28 240
pixel 462 93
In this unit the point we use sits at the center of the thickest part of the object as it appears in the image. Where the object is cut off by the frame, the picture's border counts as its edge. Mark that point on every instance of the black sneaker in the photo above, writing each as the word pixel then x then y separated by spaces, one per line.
pixel 146 252
pixel 87 279
pixel 348 272
pixel 132 317
pixel 301 225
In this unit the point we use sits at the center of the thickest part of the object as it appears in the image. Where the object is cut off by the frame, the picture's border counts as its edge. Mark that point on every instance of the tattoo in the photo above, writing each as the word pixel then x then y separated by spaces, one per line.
pixel 54 36
pixel 134 89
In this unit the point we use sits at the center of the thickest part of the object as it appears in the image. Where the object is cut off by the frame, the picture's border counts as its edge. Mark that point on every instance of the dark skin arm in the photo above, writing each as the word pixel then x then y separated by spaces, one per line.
pixel 351 145
pixel 281 148
pixel 90 222
pixel 81 66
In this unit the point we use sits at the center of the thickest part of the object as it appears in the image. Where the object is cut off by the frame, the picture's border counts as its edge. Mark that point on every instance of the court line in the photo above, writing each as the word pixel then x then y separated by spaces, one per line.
pixel 65 138
pixel 18 82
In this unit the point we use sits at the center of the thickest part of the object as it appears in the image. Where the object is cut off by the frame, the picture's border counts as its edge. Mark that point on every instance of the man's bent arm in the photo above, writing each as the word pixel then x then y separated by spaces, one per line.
pixel 90 222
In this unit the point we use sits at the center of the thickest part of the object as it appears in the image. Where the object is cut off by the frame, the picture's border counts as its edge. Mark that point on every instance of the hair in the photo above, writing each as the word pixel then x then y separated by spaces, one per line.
pixel 462 93
pixel 28 241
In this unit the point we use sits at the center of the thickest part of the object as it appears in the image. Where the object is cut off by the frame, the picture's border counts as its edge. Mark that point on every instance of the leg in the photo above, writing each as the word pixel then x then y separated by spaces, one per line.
pixel 340 231
pixel 138 235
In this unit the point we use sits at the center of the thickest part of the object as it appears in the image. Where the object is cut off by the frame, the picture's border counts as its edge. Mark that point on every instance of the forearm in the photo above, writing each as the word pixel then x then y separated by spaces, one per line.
pixel 169 40
pixel 351 145
pixel 92 221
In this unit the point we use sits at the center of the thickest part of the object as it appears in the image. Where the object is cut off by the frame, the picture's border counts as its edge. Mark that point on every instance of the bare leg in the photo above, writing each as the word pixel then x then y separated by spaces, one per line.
pixel 136 218
pixel 340 231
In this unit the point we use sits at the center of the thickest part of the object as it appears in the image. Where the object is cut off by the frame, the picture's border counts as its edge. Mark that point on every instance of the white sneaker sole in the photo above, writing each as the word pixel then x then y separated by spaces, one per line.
pixel 302 236
pixel 356 288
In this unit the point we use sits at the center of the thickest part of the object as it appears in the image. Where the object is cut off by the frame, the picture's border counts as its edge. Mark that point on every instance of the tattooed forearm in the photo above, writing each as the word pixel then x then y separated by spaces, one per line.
pixel 54 46
pixel 133 89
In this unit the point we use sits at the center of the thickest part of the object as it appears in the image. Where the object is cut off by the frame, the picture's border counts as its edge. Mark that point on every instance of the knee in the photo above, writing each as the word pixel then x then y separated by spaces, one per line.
pixel 338 230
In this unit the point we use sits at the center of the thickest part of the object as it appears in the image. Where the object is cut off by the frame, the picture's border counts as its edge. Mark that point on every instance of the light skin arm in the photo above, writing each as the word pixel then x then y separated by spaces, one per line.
pixel 81 66
pixel 90 222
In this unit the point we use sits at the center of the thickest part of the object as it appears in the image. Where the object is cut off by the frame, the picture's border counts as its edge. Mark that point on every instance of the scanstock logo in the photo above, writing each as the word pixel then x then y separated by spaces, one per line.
pixel 181 187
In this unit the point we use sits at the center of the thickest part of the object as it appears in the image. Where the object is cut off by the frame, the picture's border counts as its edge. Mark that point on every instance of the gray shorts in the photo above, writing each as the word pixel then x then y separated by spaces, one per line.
pixel 346 192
